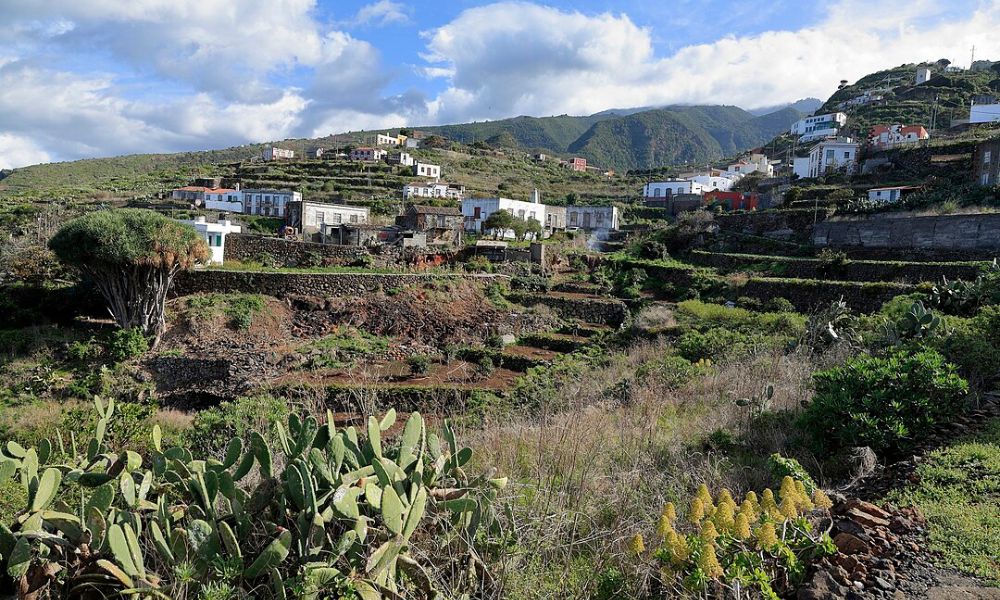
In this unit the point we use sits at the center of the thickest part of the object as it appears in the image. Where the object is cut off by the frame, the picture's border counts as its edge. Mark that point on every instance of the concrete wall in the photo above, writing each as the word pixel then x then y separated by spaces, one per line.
pixel 942 232
pixel 307 284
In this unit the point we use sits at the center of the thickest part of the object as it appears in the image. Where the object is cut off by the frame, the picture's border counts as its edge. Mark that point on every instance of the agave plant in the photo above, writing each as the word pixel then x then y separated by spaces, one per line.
pixel 341 514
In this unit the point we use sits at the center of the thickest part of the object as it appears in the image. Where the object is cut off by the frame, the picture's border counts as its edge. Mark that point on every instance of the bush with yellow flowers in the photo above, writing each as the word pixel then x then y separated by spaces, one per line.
pixel 764 543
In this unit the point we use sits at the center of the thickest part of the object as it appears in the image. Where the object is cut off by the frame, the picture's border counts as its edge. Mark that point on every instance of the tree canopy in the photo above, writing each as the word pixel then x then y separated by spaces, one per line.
pixel 132 256
pixel 128 237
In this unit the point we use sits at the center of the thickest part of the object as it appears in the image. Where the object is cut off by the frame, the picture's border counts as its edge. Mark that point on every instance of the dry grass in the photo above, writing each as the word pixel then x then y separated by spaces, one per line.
pixel 590 473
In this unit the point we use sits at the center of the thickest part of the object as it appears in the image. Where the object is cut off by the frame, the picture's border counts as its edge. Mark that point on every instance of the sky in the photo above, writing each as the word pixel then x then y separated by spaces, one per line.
pixel 91 78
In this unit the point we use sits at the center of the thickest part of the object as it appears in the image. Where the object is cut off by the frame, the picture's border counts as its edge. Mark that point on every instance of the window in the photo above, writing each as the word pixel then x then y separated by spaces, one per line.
pixel 573 218
pixel 520 213
pixel 320 217
pixel 830 155
pixel 354 218
pixel 441 221
pixel 600 218
pixel 656 193
pixel 987 155
pixel 847 155
pixel 476 212
pixel 986 179
pixel 218 240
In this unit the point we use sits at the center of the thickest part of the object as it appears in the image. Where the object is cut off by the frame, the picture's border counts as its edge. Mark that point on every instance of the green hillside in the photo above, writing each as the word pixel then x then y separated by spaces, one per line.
pixel 678 135
pixel 548 133
pixel 947 94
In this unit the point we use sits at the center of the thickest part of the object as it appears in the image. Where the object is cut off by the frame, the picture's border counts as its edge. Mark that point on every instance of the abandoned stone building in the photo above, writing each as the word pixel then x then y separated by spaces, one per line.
pixel 442 225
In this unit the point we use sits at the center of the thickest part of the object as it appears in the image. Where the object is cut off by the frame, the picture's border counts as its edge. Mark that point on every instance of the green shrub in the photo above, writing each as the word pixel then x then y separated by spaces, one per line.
pixel 889 403
pixel 479 264
pixel 531 283
pixel 779 304
pixel 419 364
pixel 782 466
pixel 749 303
pixel 214 427
pixel 81 351
pixel 973 345
pixel 486 367
pixel 125 344
pixel 670 370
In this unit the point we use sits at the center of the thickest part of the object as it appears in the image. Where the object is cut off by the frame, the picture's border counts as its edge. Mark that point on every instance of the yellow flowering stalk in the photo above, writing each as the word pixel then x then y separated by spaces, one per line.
pixel 664 526
pixel 766 536
pixel 670 512
pixel 637 546
pixel 749 511
pixel 708 562
pixel 821 500
pixel 741 527
pixel 697 512
pixel 725 496
pixel 788 509
pixel 725 515
pixel 678 547
pixel 709 533
pixel 803 498
pixel 768 506
pixel 752 499
pixel 706 500
pixel 787 489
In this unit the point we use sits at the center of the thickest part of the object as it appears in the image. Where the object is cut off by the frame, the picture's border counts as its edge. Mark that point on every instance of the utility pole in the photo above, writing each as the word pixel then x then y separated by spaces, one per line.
pixel 972 58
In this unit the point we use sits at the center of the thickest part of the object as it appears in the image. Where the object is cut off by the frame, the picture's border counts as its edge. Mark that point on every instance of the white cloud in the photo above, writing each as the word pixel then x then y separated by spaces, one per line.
pixel 16 151
pixel 381 13
pixel 515 58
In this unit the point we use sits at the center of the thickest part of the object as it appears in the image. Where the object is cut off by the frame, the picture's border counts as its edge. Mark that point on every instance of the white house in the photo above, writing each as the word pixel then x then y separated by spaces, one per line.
pixel 818 126
pixel 400 158
pixel 710 183
pixel 592 217
pixel 923 75
pixel 386 140
pixel 215 235
pixel 671 187
pixel 476 210
pixel 271 153
pixel 888 136
pixel 984 113
pixel 368 154
pixel 890 194
pixel 268 203
pixel 756 163
pixel 310 217
pixel 427 170
pixel 829 156
pixel 430 189
pixel 800 166
pixel 227 200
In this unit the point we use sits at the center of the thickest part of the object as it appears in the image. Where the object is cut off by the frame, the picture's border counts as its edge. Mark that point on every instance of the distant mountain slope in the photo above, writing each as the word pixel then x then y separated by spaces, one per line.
pixel 551 133
pixel 678 135
pixel 805 106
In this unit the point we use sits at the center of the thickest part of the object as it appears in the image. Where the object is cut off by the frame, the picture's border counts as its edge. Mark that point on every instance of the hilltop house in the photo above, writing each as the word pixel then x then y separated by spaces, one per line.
pixel 828 157
pixel 386 140
pixel 710 183
pixel 430 189
pixel 818 126
pixel 367 154
pixel 986 162
pixel 311 217
pixel 891 194
pixel 576 164
pixel 271 153
pixel 400 158
pixel 756 163
pixel 888 136
pixel 427 170
pixel 441 225
pixel 268 203
pixel 316 153
pixel 592 218
pixel 923 75
pixel 671 187
pixel 214 235
pixel 197 194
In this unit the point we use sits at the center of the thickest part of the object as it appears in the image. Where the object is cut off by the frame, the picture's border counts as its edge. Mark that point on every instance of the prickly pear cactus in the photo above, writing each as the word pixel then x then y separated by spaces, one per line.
pixel 340 514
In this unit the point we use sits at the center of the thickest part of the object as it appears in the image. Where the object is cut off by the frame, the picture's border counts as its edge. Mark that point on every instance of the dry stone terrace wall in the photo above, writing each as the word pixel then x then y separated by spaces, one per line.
pixel 290 253
pixel 599 311
pixel 806 268
pixel 980 232
pixel 281 285
pixel 793 224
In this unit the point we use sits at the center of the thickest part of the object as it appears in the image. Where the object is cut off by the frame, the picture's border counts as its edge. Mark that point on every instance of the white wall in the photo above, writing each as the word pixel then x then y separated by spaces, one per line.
pixel 984 113
pixel 488 206
pixel 214 235
pixel 659 189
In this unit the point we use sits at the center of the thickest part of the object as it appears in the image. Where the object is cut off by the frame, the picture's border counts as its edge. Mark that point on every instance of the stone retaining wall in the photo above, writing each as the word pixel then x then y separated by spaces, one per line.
pixel 941 232
pixel 600 311
pixel 853 270
pixel 281 285
pixel 280 252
